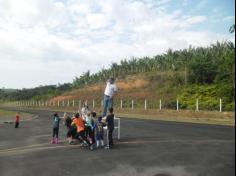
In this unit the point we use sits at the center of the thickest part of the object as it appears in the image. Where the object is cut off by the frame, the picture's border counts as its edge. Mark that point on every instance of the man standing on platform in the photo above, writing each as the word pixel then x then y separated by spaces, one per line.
pixel 108 95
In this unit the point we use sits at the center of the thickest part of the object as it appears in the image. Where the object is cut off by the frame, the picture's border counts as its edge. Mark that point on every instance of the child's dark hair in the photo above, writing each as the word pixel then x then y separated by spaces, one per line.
pixel 77 115
pixel 100 118
pixel 111 110
pixel 55 114
pixel 94 114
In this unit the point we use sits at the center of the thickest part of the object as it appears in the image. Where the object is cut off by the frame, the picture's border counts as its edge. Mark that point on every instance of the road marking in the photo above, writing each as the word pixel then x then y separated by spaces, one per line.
pixel 48 146
pixel 176 141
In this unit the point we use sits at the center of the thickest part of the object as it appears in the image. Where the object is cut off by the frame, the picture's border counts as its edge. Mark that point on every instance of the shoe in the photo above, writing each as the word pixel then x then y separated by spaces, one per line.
pixel 71 142
pixel 57 141
pixel 53 141
pixel 102 143
pixel 97 144
pixel 107 147
pixel 91 147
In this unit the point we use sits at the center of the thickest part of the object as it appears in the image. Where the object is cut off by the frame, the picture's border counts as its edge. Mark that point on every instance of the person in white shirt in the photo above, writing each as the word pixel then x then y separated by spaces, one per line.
pixel 108 95
pixel 84 111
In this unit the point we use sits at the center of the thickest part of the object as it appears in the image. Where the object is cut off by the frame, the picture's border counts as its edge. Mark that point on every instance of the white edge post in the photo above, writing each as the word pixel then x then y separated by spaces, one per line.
pixel 93 104
pixel 73 103
pixel 197 108
pixel 121 104
pixel 160 105
pixel 118 128
pixel 132 104
pixel 220 105
pixel 145 104
pixel 177 105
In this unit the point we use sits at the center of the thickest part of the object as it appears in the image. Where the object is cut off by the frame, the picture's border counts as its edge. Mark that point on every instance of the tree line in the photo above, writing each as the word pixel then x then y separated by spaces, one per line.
pixel 201 65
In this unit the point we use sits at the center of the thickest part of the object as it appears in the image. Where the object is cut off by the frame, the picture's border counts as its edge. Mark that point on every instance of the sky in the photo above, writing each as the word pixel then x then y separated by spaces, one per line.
pixel 45 42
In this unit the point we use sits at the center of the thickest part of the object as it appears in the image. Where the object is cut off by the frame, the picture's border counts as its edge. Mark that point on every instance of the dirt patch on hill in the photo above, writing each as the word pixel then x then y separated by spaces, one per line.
pixel 132 84
pixel 124 87
pixel 59 98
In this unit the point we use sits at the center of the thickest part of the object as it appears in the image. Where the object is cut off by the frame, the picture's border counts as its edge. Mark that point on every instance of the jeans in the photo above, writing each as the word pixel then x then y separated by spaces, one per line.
pixel 107 103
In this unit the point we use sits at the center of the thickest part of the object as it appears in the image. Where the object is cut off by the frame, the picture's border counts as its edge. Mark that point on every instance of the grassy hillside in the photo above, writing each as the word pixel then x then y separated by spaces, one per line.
pixel 154 86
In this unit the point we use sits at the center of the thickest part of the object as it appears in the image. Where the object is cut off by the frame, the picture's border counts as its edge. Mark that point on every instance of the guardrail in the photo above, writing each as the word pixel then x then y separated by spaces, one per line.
pixel 120 104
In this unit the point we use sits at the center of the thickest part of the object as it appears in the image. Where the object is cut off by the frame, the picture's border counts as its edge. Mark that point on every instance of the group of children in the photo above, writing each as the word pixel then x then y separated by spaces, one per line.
pixel 86 128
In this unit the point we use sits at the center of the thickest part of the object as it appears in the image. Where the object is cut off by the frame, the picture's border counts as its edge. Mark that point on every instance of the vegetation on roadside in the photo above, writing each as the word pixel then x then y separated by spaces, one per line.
pixel 204 73
pixel 6 115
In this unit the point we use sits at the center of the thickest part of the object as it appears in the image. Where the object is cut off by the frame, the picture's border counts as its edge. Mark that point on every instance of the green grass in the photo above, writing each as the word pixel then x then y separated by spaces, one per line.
pixel 6 116
pixel 189 116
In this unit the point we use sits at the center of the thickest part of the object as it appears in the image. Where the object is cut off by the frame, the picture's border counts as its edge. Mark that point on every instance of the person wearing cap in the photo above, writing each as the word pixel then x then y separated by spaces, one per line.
pixel 108 95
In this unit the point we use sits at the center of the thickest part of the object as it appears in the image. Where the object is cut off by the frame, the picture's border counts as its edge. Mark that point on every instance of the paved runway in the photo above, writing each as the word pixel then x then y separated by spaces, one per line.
pixel 146 148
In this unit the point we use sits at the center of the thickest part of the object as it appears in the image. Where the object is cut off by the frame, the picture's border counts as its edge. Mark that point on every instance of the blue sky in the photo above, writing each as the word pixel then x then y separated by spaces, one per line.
pixel 46 42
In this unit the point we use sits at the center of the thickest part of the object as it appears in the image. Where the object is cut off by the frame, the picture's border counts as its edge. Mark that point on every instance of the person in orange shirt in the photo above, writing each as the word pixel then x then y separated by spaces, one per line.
pixel 17 121
pixel 79 122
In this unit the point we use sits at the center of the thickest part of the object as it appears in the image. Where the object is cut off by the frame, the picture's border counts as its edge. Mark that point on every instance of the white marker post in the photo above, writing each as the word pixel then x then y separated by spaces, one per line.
pixel 197 105
pixel 145 104
pixel 121 104
pixel 73 103
pixel 177 105
pixel 160 105
pixel 220 105
pixel 93 104
pixel 132 104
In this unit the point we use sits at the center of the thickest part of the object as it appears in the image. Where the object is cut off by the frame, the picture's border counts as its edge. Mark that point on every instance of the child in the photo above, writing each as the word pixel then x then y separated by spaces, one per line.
pixel 68 121
pixel 110 128
pixel 78 121
pixel 84 111
pixel 17 122
pixel 71 134
pixel 89 122
pixel 99 132
pixel 56 122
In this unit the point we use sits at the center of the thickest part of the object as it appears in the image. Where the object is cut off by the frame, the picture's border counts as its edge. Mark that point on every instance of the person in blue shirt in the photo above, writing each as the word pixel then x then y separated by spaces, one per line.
pixel 56 122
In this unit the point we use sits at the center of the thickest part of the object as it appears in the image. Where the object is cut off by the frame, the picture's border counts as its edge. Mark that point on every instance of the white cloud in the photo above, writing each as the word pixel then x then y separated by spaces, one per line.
pixel 55 41
pixel 229 18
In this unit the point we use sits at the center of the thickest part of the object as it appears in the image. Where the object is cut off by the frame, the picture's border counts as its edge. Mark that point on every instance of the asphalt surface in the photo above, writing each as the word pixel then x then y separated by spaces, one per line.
pixel 146 148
